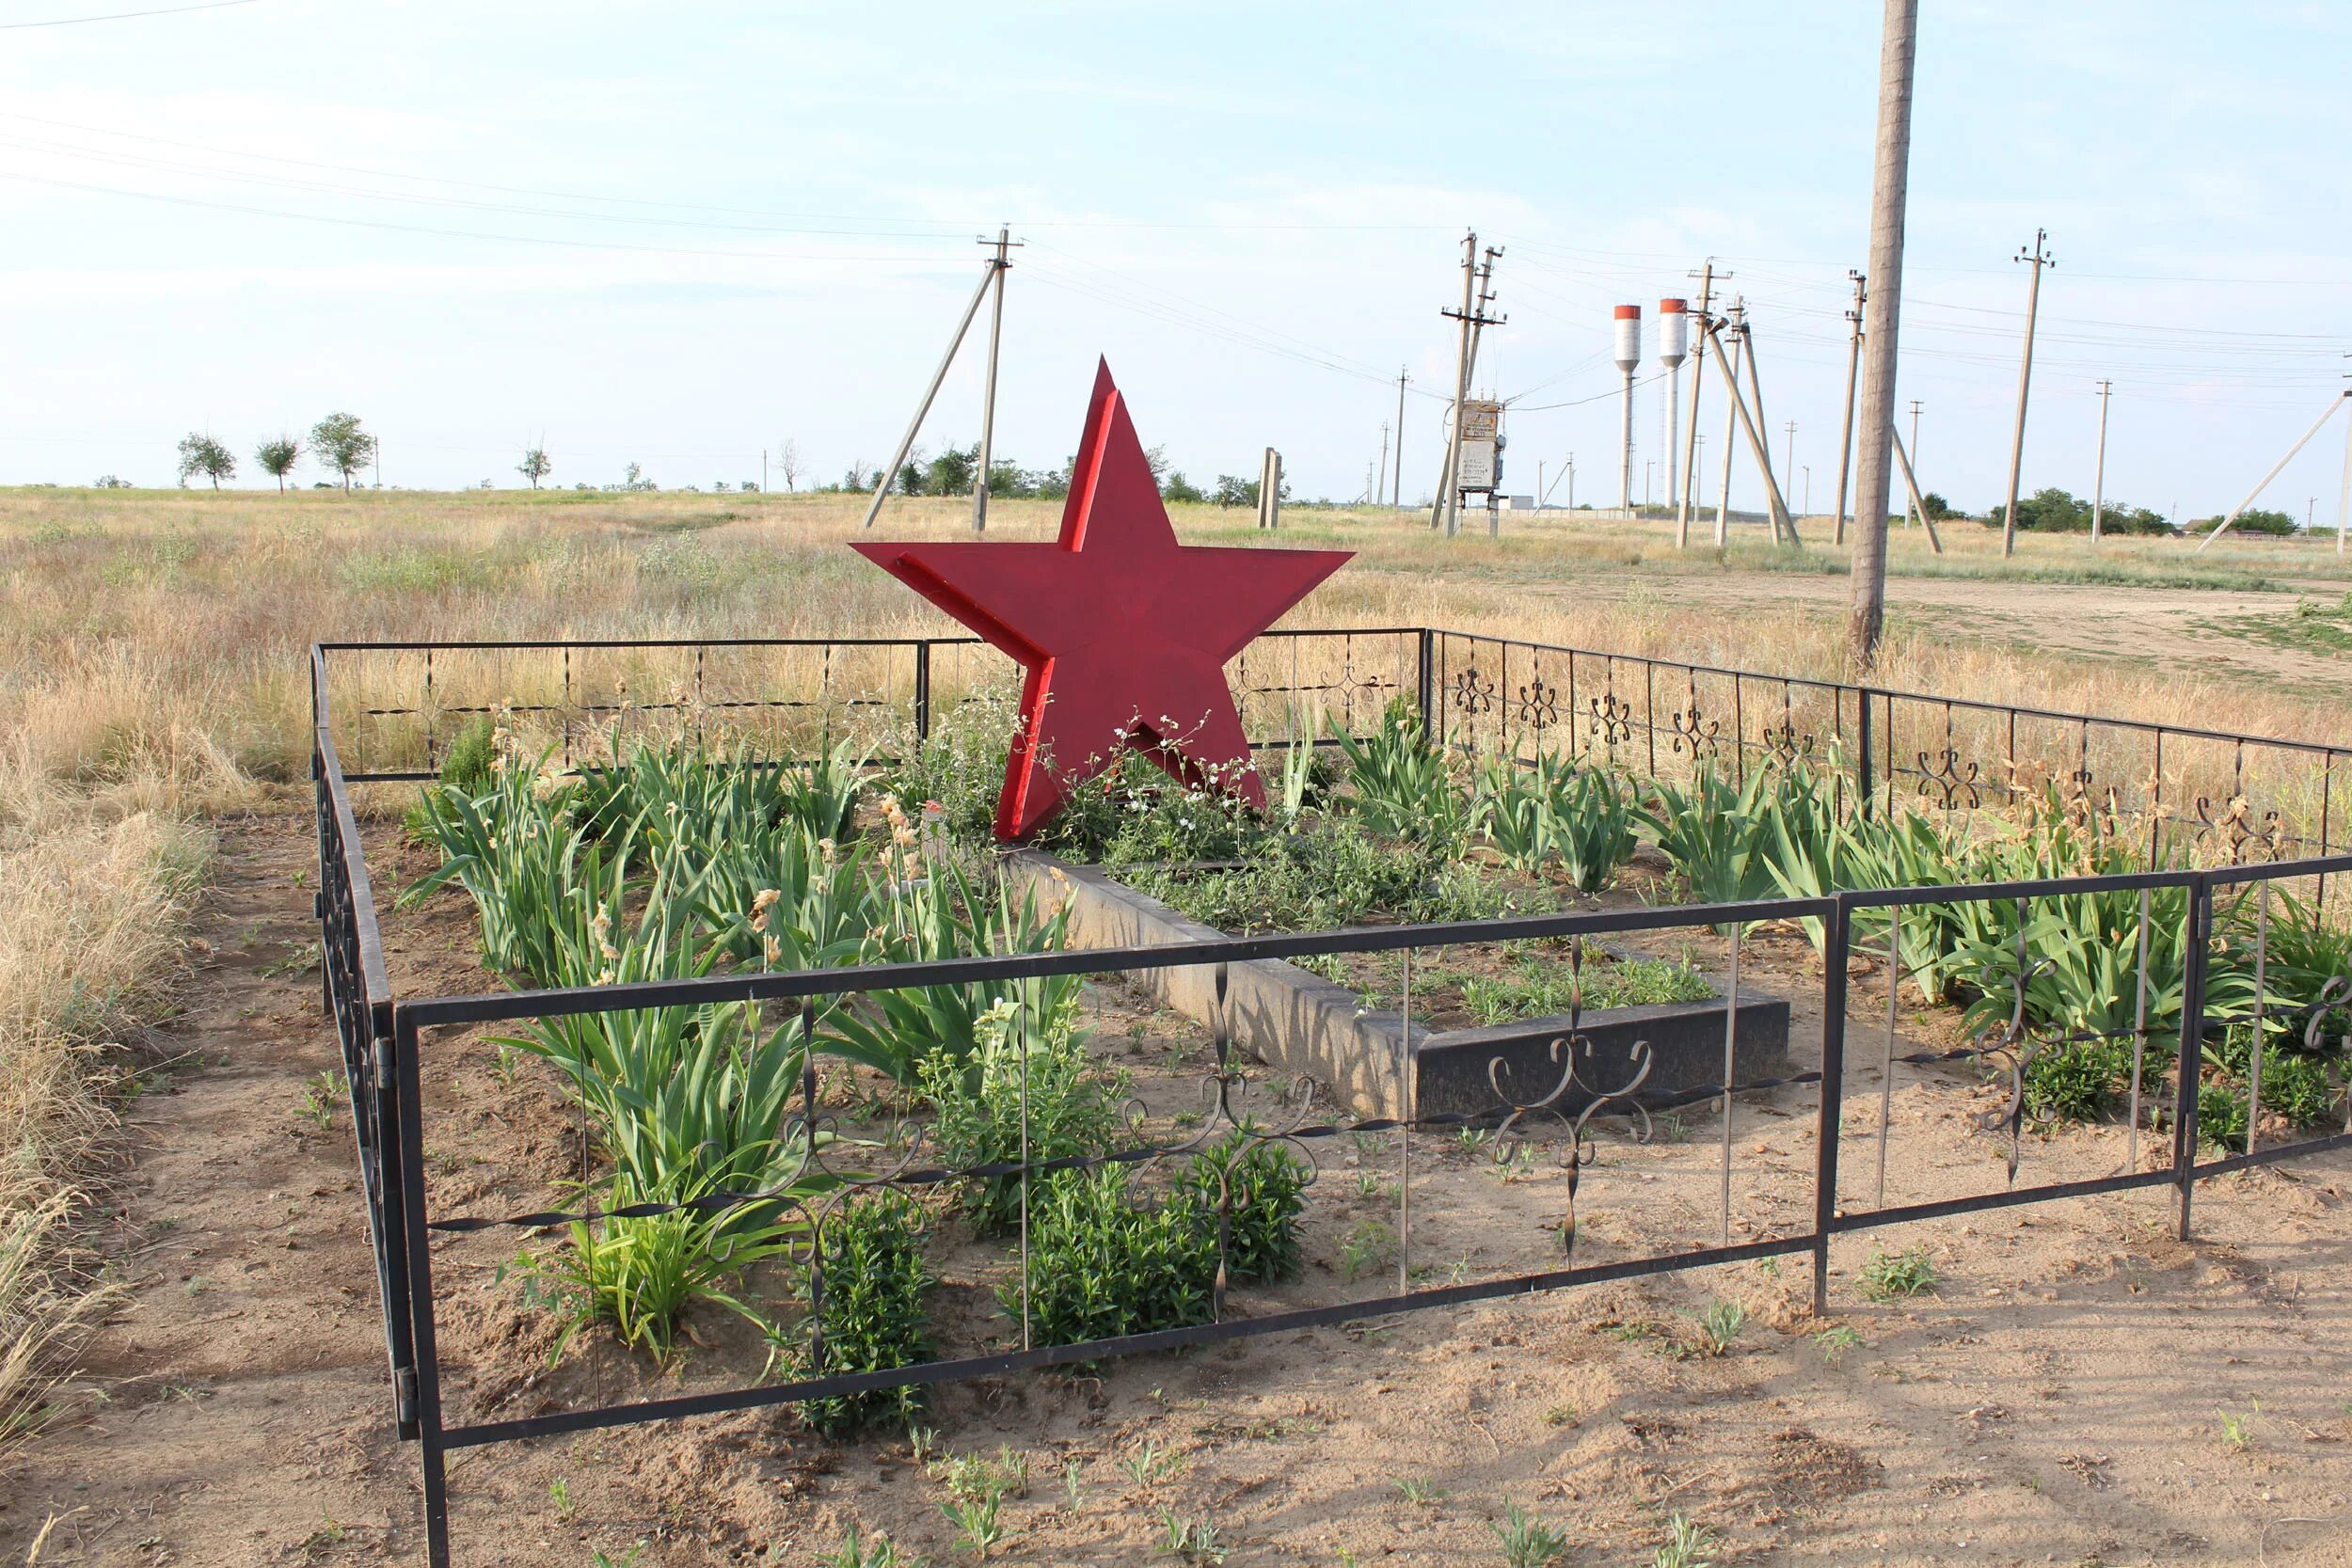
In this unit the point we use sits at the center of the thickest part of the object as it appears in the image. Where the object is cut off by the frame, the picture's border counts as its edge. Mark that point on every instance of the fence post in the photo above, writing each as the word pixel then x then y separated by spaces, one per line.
pixel 410 1108
pixel 1861 733
pixel 923 690
pixel 1425 674
pixel 1834 961
pixel 2200 918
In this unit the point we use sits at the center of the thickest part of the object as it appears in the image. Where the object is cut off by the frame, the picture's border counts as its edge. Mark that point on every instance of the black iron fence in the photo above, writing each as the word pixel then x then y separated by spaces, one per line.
pixel 1645 713
pixel 393 710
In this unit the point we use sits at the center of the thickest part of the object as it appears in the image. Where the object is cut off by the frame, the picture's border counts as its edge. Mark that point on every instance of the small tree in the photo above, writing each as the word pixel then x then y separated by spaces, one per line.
pixel 339 442
pixel 277 457
pixel 1176 487
pixel 1233 490
pixel 534 465
pixel 952 471
pixel 788 463
pixel 200 454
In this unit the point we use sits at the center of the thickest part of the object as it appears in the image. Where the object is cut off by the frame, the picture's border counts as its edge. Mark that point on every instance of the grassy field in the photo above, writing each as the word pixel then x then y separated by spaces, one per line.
pixel 155 652
pixel 153 678
pixel 152 662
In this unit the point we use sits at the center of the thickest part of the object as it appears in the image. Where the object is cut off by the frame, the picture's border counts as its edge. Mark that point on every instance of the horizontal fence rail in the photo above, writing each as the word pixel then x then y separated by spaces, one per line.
pixel 1887 749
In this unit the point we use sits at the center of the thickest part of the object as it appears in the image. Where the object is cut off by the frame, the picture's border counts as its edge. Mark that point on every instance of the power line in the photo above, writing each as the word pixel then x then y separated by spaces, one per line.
pixel 456 233
pixel 124 16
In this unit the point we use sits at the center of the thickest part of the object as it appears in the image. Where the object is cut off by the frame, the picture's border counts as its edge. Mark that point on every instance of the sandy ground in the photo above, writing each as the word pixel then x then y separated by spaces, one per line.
pixel 2064 1393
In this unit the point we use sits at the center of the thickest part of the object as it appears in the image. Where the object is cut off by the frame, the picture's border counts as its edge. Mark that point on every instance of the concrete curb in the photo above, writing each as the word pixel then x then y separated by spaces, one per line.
pixel 1302 1024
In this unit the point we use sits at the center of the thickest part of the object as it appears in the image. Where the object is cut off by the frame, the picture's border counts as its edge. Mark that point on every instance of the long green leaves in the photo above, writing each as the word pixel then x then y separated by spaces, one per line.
pixel 1403 784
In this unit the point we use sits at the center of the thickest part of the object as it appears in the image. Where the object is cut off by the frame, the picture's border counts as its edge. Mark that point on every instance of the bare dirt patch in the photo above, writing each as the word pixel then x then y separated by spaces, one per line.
pixel 2062 1394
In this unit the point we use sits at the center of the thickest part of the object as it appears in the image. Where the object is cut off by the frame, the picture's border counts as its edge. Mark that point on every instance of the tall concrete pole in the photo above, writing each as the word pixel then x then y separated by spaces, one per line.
pixel 2025 383
pixel 2099 469
pixel 997 266
pixel 1444 506
pixel 1396 488
pixel 1874 476
pixel 1728 357
pixel 2343 498
pixel 1688 502
pixel 1624 448
pixel 1853 370
pixel 1788 458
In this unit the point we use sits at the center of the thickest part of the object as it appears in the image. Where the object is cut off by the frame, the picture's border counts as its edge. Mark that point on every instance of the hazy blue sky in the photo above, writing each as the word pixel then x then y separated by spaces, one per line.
pixel 677 233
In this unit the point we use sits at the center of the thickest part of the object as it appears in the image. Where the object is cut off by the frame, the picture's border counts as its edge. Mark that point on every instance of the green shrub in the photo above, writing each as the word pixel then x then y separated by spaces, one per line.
pixel 1582 816
pixel 1544 988
pixel 871 1317
pixel 1507 805
pixel 2077 1081
pixel 1403 784
pixel 1593 823
pixel 1267 1186
pixel 1714 835
pixel 1334 875
pixel 1890 1276
pixel 2298 1087
pixel 1074 1109
pixel 2305 950
pixel 1105 1262
pixel 467 766
pixel 2221 1113
pixel 936 912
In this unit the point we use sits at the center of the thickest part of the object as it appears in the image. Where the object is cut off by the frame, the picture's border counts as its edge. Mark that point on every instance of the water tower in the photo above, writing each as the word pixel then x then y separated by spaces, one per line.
pixel 1673 346
pixel 1628 359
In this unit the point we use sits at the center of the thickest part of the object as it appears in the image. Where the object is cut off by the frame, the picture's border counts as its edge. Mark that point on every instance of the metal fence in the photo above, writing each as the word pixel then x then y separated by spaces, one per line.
pixel 2236 796
pixel 393 710
pixel 1594 1101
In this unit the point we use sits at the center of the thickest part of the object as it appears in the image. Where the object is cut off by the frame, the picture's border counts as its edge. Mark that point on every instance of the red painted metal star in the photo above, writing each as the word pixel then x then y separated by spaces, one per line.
pixel 1124 632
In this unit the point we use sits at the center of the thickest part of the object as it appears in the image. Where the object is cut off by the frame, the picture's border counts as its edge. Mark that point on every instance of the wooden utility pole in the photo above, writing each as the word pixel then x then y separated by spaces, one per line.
pixel 1687 502
pixel 1442 508
pixel 1397 489
pixel 1874 474
pixel 2099 466
pixel 997 266
pixel 2040 259
pixel 1853 370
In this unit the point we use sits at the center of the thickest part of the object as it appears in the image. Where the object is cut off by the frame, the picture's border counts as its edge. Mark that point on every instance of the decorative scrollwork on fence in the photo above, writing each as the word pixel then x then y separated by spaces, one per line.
pixel 1783 744
pixel 1611 720
pixel 1694 730
pixel 1472 693
pixel 1948 781
pixel 1572 1053
pixel 1538 706
pixel 2238 827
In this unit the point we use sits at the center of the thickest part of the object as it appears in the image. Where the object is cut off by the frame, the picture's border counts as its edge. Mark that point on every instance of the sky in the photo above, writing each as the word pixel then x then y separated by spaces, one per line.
pixel 679 235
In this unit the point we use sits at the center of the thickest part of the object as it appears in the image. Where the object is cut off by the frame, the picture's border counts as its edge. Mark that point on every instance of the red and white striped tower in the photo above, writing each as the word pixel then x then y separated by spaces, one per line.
pixel 1628 359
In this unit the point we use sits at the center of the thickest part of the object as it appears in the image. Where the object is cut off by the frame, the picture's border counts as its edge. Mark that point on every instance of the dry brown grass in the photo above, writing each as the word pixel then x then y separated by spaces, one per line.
pixel 152 669
pixel 156 651
pixel 86 952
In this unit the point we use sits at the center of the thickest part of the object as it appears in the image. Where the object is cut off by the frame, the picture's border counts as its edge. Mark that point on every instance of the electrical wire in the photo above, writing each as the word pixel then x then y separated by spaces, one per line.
pixel 124 16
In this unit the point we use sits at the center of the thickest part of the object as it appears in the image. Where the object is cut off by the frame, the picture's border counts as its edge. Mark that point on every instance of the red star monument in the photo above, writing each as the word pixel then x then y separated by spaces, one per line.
pixel 1124 632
